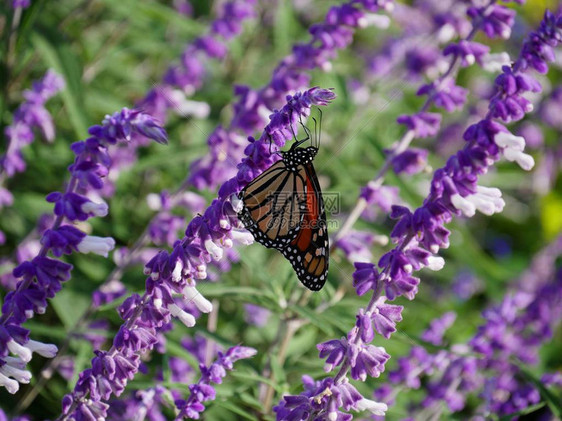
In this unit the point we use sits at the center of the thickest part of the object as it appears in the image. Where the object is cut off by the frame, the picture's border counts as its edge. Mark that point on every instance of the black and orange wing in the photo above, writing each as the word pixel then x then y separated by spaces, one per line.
pixel 274 205
pixel 309 251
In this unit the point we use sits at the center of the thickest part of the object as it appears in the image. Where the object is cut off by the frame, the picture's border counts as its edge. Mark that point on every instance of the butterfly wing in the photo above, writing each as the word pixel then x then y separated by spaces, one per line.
pixel 309 251
pixel 274 205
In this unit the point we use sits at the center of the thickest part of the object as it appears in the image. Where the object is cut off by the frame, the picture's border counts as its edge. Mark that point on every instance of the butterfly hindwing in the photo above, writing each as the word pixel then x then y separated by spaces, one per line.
pixel 309 252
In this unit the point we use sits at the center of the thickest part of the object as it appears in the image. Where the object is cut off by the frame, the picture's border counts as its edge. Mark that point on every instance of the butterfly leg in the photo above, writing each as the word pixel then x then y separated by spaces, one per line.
pixel 317 136
pixel 301 141
pixel 298 142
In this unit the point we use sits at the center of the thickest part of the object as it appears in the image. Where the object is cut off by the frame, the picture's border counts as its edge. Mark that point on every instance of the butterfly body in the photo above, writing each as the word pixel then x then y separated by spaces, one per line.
pixel 283 208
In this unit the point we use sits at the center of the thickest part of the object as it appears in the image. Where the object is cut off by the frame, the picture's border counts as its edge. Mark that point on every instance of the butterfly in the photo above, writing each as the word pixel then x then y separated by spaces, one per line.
pixel 283 209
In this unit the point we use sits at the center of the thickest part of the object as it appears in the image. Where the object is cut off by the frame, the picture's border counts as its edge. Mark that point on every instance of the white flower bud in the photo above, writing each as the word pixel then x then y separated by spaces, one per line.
pixel 186 318
pixel 192 295
pixel 45 350
pixel 435 263
pixel 215 251
pixel 97 245
pixel 11 386
pixel 462 204
pixel 98 209
pixel 19 350
pixel 375 408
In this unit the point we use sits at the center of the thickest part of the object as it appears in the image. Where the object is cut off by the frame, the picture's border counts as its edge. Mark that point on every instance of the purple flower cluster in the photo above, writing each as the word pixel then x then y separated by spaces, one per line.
pixel 188 76
pixel 494 20
pixel 203 391
pixel 30 115
pixel 420 234
pixel 320 401
pixel 513 332
pixel 41 276
pixel 253 106
pixel 206 238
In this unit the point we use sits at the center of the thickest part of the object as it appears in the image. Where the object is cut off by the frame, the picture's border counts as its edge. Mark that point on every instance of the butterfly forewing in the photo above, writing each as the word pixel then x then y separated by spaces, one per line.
pixel 274 205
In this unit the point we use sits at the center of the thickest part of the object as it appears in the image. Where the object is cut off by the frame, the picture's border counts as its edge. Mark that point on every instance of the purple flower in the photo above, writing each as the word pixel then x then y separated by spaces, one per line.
pixel 253 106
pixel 508 104
pixel 203 391
pixel 357 244
pixel 322 400
pixel 532 134
pixel 496 20
pixel 188 76
pixel 365 277
pixel 21 3
pixel 108 292
pixel 76 207
pixel 212 47
pixel 366 360
pixel 513 329
pixel 385 317
pixel 550 112
pixel 184 7
pixel 437 328
pixel 382 196
pixel 256 315
pixel 41 277
pixel 445 94
pixel 226 149
pixel 468 51
pixel 466 285
pixel 233 13
pixel 164 228
pixel 30 115
pixel 334 351
pixel 423 124
pixel 411 161
pixel 398 280
pixel 419 60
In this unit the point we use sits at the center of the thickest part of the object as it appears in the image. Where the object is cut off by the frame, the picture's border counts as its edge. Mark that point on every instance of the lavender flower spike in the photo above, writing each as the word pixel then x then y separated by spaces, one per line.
pixel 202 391
pixel 30 115
pixel 41 277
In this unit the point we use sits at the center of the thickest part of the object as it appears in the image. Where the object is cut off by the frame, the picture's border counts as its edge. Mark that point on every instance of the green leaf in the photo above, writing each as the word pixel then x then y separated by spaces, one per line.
pixel 69 306
pixel 82 359
pixel 322 323
pixel 278 371
pixel 233 408
pixel 285 25
pixel 62 59
pixel 155 13
pixel 525 411
pixel 256 378
pixel 221 290
pixel 51 332
pixel 553 402
pixel 175 349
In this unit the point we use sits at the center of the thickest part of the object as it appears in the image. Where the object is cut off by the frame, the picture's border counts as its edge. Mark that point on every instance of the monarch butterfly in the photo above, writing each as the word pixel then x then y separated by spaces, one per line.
pixel 283 209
